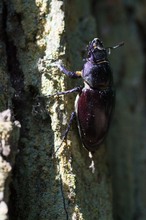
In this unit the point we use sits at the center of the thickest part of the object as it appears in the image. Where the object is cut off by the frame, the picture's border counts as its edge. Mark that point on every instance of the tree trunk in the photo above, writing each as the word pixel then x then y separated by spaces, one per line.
pixel 50 183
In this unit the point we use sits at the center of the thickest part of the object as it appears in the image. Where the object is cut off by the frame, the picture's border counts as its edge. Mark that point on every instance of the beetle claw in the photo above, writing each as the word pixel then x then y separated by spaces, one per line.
pixel 58 64
pixel 92 166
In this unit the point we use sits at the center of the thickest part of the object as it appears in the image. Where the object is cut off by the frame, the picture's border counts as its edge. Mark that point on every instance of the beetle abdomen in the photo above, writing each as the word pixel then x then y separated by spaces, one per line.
pixel 93 109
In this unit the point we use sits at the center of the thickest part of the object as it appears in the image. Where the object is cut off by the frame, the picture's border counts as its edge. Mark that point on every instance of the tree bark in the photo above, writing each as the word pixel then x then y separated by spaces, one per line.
pixel 58 184
pixel 9 136
pixel 126 144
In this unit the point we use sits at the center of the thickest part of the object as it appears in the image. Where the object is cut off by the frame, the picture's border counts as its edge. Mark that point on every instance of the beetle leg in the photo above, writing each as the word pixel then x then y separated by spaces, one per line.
pixel 76 74
pixel 76 89
pixel 73 114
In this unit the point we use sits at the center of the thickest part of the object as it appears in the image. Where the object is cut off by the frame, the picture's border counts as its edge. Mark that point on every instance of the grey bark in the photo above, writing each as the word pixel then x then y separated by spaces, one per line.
pixel 63 187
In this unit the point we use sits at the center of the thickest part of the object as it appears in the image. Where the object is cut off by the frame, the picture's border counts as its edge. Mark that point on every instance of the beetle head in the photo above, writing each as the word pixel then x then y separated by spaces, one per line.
pixel 97 72
pixel 96 50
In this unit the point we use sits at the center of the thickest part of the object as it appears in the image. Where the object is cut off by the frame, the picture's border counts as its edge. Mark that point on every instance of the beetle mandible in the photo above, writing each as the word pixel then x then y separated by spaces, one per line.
pixel 95 100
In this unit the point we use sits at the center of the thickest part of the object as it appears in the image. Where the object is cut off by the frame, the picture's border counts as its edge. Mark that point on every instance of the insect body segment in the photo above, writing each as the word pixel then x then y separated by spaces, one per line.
pixel 93 110
pixel 95 101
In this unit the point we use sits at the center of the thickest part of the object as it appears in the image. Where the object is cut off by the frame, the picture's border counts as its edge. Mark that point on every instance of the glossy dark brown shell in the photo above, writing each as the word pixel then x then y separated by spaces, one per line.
pixel 94 109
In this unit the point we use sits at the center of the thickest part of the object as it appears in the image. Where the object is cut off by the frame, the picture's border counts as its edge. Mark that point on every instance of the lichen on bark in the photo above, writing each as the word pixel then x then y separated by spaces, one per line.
pixel 9 136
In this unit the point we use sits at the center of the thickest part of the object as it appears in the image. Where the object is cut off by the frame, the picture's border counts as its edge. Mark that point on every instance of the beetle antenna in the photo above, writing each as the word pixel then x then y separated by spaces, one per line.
pixel 114 47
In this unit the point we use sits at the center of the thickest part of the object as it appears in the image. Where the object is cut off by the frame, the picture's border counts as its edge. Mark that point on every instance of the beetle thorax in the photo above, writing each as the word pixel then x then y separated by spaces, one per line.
pixel 97 75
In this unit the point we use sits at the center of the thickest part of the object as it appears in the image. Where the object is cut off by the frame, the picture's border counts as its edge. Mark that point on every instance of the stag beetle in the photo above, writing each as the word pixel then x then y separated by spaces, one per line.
pixel 95 101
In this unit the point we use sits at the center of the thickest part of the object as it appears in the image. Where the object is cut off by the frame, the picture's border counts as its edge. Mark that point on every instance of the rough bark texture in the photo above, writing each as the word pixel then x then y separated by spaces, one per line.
pixel 126 21
pixel 9 135
pixel 62 186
